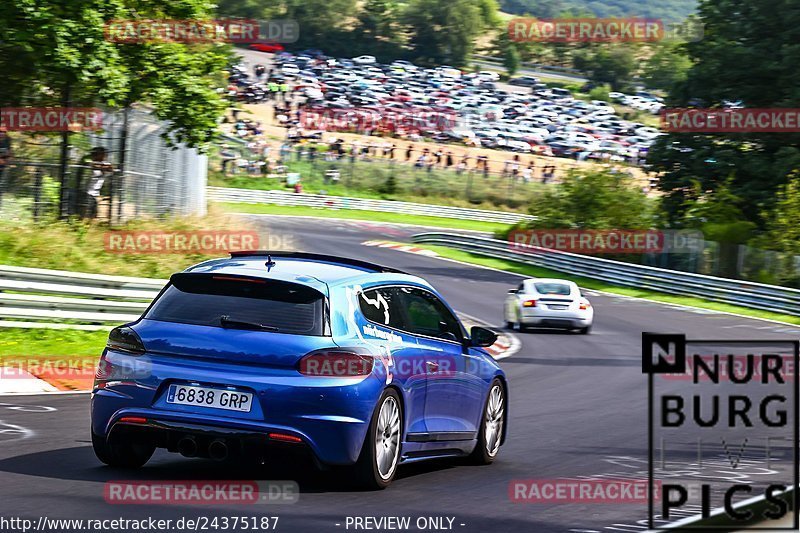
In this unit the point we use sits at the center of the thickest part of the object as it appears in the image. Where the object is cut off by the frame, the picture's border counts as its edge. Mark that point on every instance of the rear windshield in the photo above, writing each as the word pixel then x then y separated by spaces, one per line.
pixel 204 299
pixel 559 289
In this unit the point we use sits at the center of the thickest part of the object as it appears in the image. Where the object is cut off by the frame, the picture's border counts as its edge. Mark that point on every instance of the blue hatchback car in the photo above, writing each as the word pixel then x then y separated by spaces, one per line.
pixel 261 353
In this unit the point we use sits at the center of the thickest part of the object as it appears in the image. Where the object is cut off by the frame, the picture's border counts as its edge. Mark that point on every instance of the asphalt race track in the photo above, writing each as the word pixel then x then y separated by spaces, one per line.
pixel 577 408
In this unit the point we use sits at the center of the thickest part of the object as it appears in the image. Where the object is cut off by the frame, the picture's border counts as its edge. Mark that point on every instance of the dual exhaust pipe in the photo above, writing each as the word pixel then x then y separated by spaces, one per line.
pixel 217 450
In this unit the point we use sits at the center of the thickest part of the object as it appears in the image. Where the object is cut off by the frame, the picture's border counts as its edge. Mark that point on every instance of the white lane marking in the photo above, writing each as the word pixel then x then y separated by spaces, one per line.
pixel 28 408
pixel 16 432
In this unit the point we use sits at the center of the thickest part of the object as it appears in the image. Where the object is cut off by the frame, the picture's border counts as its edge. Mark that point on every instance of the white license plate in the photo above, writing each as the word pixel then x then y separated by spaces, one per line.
pixel 214 398
pixel 558 307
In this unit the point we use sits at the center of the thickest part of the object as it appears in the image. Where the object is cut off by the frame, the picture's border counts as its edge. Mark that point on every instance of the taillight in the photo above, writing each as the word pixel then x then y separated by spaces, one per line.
pixel 132 420
pixel 283 437
pixel 529 303
pixel 121 368
pixel 124 339
pixel 336 364
pixel 584 306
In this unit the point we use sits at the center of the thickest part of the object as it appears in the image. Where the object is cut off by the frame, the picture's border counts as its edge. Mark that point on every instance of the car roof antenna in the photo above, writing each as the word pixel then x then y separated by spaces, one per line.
pixel 270 263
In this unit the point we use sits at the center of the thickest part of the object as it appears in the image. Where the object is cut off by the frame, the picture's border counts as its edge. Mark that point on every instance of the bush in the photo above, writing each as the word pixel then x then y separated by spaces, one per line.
pixel 600 93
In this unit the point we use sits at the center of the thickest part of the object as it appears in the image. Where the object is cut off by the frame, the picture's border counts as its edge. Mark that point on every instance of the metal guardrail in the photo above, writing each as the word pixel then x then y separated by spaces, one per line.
pixel 254 196
pixel 538 66
pixel 57 297
pixel 742 293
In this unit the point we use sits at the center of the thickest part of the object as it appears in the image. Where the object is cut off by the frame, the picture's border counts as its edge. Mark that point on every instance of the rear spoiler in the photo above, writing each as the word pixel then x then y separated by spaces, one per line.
pixel 319 257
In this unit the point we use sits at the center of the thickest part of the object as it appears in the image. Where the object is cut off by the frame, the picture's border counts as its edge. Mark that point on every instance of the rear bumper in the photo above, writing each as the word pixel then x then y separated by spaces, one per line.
pixel 331 422
pixel 336 441
pixel 329 415
pixel 566 322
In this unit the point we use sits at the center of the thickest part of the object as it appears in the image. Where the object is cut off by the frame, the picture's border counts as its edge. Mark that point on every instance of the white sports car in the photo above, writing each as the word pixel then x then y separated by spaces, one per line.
pixel 548 303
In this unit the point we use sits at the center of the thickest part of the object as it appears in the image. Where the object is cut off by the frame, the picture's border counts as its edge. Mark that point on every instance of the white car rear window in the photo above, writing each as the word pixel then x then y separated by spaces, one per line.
pixel 560 289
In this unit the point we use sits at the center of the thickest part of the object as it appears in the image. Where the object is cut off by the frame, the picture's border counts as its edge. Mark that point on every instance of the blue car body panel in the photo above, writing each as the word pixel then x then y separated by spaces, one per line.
pixel 330 414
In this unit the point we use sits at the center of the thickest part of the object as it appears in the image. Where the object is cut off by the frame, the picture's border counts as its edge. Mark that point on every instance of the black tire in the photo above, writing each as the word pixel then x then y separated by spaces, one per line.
pixel 365 472
pixel 585 331
pixel 121 454
pixel 510 326
pixel 481 455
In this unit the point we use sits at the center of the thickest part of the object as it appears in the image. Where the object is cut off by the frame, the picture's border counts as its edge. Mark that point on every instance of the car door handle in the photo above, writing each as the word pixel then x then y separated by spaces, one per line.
pixel 432 366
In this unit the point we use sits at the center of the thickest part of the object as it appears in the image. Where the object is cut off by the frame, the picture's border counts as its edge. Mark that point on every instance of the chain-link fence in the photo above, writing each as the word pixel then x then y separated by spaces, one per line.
pixel 158 179
pixel 155 179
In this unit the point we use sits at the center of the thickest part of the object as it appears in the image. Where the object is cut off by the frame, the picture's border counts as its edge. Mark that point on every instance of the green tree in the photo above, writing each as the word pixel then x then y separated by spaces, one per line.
pixel 55 52
pixel 783 231
pixel 609 64
pixel 377 31
pixel 325 24
pixel 668 66
pixel 596 199
pixel 748 54
pixel 445 32
pixel 503 46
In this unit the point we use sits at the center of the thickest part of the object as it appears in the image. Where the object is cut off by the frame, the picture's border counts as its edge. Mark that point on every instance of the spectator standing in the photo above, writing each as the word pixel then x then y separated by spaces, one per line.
pixel 5 151
pixel 284 90
pixel 227 155
pixel 527 173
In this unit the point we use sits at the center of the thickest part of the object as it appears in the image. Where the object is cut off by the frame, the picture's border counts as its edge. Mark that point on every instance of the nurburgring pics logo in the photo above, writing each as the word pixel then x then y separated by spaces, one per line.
pixel 51 118
pixel 696 120
pixel 188 31
pixel 727 436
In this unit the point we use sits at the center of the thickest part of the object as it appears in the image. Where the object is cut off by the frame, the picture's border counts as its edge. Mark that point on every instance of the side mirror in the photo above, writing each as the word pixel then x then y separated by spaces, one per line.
pixel 512 291
pixel 482 336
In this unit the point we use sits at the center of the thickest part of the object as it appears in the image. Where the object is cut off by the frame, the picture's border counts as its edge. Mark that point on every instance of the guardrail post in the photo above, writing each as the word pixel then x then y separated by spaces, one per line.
pixel 3 172
pixel 37 193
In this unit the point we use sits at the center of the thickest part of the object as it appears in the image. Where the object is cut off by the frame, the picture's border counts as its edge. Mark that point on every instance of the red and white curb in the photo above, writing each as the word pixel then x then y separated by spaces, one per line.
pixel 498 349
pixel 401 247
pixel 506 345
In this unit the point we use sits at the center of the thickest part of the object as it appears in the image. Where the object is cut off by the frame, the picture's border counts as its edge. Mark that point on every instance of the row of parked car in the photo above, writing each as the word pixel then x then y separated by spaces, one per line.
pixel 472 108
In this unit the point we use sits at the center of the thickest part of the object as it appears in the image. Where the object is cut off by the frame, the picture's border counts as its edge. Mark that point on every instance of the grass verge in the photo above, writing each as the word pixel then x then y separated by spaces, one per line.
pixel 373 216
pixel 19 343
pixel 81 246
pixel 533 271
